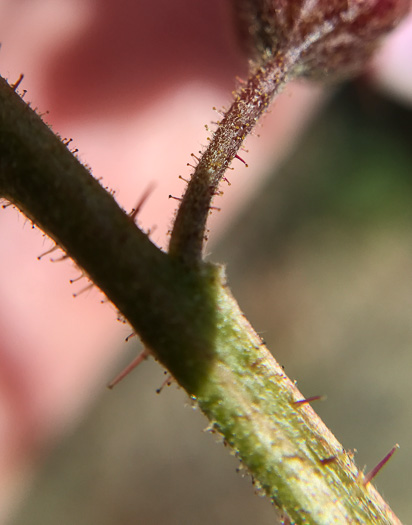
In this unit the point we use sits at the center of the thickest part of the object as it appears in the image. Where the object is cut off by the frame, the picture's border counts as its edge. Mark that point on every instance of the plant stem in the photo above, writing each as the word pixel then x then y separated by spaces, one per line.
pixel 250 103
pixel 50 186
pixel 192 325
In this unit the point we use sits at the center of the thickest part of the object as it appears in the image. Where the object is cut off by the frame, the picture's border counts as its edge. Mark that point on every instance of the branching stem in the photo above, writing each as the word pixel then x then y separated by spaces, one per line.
pixel 183 311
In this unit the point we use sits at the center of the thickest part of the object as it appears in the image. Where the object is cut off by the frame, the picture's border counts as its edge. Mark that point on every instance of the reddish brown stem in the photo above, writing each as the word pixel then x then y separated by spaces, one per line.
pixel 250 103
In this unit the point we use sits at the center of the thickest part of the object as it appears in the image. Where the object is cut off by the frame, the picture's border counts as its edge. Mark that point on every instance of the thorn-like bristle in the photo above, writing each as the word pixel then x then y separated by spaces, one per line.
pixel 175 198
pixel 309 400
pixel 76 279
pixel 142 200
pixel 53 249
pixel 135 363
pixel 15 86
pixel 85 289
pixel 60 259
pixel 167 382
pixel 372 473
pixel 328 460
pixel 241 160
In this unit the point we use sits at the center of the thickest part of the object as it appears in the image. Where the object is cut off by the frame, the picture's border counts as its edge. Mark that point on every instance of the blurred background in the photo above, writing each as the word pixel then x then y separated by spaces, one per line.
pixel 321 263
pixel 315 235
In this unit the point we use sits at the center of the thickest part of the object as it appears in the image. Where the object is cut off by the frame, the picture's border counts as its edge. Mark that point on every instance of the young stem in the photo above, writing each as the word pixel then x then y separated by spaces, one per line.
pixel 250 103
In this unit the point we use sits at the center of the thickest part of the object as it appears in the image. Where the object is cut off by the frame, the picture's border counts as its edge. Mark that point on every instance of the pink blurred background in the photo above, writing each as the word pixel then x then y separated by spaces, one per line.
pixel 133 84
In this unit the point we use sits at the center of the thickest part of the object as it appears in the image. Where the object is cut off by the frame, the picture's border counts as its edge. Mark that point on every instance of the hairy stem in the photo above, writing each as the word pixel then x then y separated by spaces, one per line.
pixel 45 180
pixel 250 103
pixel 189 320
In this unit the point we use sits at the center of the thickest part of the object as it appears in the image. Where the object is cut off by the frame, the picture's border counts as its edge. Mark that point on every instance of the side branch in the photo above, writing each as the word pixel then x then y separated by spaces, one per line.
pixel 250 103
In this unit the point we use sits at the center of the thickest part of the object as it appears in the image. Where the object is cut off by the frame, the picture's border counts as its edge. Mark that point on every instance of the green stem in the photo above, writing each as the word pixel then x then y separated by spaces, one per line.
pixel 189 320
pixel 45 181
